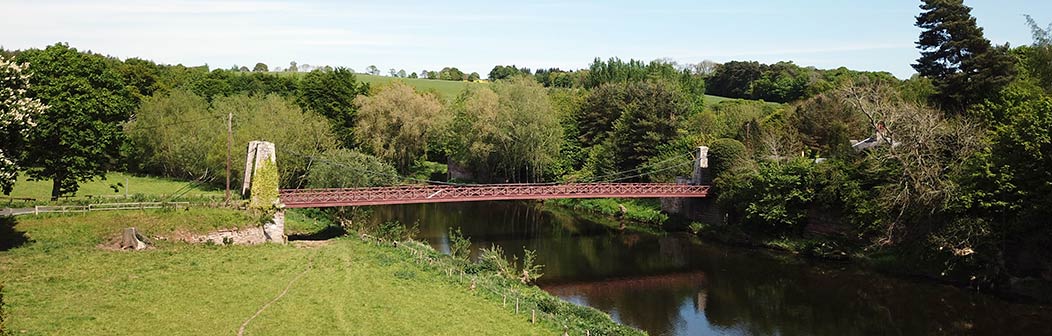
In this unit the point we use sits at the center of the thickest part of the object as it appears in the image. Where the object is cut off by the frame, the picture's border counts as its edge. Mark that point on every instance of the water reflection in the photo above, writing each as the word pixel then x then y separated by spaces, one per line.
pixel 674 285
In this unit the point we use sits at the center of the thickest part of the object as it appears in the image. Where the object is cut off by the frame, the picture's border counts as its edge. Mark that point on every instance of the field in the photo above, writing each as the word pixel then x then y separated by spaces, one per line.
pixel 448 90
pixel 41 190
pixel 57 281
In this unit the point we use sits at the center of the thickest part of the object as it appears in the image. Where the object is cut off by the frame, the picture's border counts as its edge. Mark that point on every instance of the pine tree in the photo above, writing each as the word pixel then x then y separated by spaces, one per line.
pixel 961 63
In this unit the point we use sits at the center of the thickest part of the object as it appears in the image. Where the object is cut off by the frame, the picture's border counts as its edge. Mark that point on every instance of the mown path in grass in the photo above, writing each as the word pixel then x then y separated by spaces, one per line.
pixel 57 281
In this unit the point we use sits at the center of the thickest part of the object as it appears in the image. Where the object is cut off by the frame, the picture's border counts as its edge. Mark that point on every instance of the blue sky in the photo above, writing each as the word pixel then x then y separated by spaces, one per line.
pixel 476 35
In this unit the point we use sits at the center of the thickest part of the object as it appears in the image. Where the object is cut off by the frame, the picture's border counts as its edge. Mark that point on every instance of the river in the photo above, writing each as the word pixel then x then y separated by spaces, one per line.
pixel 674 284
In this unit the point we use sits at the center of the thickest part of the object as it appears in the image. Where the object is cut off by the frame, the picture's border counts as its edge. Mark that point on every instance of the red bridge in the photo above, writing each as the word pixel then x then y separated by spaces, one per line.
pixel 315 198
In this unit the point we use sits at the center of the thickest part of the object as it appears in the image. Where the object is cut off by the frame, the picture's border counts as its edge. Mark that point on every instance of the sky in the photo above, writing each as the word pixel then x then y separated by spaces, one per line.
pixel 875 35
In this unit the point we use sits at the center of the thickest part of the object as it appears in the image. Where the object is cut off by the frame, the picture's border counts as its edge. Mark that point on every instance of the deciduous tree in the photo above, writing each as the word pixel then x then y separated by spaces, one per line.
pixel 396 123
pixel 80 136
pixel 17 114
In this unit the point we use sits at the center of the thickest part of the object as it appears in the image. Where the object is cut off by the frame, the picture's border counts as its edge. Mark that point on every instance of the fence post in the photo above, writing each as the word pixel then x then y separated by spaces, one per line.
pixel 36 209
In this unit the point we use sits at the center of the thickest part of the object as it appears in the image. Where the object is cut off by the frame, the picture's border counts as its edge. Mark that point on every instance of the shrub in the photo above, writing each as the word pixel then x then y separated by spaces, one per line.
pixel 459 246
pixel 774 199
pixel 726 154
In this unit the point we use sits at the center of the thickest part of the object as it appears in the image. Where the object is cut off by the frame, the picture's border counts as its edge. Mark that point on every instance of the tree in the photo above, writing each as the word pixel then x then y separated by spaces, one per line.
pixel 919 147
pixel 332 94
pixel 734 79
pixel 293 67
pixel 962 65
pixel 396 123
pixel 173 133
pixel 344 168
pixel 648 119
pixel 401 73
pixel 706 68
pixel 414 75
pixel 393 72
pixel 1040 55
pixel 510 130
pixel 303 135
pixel 260 67
pixel 474 76
pixel 451 74
pixel 506 71
pixel 142 76
pixel 372 70
pixel 243 69
pixel 597 115
pixel 17 114
pixel 80 136
pixel 781 82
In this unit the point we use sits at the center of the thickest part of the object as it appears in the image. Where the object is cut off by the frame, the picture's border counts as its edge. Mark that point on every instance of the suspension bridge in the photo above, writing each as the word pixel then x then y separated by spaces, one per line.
pixel 336 197
pixel 427 191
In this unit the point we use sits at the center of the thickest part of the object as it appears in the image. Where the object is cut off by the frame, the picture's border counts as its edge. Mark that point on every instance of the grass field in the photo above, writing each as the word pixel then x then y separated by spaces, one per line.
pixel 61 283
pixel 446 89
pixel 41 190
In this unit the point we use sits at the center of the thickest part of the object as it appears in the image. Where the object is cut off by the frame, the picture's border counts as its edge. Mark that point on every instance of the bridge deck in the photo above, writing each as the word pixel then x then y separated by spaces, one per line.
pixel 315 198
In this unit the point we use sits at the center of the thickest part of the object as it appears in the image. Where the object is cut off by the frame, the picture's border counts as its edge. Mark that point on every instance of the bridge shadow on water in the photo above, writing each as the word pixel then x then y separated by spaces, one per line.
pixel 10 237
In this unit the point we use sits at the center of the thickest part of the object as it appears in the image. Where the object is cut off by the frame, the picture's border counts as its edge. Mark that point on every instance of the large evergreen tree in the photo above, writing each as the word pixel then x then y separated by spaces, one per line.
pixel 331 94
pixel 961 63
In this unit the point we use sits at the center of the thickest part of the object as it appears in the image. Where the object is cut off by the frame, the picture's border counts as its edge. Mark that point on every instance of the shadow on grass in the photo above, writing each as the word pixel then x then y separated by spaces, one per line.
pixel 9 236
pixel 329 232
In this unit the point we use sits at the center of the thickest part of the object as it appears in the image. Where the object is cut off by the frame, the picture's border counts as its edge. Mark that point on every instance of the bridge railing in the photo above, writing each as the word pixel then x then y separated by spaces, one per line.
pixel 456 193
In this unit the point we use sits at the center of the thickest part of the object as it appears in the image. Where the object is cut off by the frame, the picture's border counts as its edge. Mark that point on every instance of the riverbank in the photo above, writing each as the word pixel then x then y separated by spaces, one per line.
pixel 904 262
pixel 57 280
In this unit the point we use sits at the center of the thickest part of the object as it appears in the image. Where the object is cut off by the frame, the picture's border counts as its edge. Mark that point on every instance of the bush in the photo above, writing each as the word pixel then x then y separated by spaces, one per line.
pixel 726 154
pixel 774 199
pixel 396 231
pixel 459 246
pixel 343 168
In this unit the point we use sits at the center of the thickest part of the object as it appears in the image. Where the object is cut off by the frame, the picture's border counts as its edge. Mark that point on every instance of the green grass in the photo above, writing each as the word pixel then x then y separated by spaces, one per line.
pixel 448 90
pixel 41 190
pixel 60 283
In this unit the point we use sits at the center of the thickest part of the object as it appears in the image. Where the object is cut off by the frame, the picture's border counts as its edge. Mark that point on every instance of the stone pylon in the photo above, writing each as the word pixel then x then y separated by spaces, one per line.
pixel 258 151
pixel 702 173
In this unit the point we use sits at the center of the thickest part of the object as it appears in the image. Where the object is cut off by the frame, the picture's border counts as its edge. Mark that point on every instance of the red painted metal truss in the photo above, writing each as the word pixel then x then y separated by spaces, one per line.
pixel 317 198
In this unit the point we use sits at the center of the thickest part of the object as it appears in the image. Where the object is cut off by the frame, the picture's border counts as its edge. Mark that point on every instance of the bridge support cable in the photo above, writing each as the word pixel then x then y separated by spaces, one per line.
pixel 612 177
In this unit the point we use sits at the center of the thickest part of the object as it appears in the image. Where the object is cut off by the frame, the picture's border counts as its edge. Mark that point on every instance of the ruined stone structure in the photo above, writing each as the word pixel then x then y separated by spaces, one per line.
pixel 259 152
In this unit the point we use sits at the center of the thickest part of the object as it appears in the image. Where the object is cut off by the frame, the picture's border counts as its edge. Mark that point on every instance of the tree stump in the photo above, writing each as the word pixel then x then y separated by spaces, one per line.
pixel 131 239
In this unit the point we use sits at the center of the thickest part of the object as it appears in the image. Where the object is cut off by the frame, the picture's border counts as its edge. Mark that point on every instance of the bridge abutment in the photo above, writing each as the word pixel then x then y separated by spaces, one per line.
pixel 260 186
pixel 698 209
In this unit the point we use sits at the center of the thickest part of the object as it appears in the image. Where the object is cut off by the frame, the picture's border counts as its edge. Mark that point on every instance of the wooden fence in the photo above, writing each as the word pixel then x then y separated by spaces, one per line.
pixel 107 207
